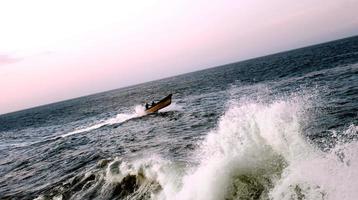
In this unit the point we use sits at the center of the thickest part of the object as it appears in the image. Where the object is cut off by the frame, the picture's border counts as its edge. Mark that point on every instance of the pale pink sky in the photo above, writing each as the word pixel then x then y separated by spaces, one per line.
pixel 56 50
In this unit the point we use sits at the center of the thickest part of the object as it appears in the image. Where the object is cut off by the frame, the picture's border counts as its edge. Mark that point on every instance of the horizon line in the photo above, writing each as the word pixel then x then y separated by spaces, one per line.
pixel 175 75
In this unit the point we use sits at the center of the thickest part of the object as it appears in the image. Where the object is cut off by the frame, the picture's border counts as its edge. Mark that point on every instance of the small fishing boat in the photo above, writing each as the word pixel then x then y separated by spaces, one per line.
pixel 159 105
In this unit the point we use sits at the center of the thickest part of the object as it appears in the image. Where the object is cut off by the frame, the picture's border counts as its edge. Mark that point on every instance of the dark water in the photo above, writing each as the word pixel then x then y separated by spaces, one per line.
pixel 282 126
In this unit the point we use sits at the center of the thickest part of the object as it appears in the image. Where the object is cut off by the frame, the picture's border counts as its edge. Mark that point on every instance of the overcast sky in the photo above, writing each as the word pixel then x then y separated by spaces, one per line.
pixel 56 50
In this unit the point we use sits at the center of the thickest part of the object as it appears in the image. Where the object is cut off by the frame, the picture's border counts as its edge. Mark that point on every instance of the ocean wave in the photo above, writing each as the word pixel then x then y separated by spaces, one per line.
pixel 247 153
pixel 257 151
pixel 116 179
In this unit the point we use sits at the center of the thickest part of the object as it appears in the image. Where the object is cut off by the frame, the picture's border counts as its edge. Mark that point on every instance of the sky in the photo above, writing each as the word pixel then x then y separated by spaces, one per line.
pixel 57 50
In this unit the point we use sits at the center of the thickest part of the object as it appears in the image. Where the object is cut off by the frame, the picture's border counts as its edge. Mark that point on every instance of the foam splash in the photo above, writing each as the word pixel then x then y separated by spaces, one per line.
pixel 330 175
pixel 153 175
pixel 172 107
pixel 120 118
pixel 258 152
pixel 253 143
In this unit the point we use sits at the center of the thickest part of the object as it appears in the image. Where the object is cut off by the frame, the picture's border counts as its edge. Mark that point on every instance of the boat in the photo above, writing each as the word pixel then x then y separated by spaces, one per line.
pixel 159 105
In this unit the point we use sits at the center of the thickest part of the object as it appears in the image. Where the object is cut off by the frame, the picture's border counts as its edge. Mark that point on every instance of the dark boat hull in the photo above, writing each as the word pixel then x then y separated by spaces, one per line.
pixel 161 104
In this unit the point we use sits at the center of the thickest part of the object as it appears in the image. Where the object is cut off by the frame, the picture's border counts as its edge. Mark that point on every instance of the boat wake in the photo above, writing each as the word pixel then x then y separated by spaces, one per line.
pixel 258 151
pixel 119 118
pixel 139 111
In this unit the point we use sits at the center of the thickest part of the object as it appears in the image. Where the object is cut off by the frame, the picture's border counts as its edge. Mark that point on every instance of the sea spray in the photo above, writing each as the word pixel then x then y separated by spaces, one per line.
pixel 251 145
pixel 258 151
pixel 330 176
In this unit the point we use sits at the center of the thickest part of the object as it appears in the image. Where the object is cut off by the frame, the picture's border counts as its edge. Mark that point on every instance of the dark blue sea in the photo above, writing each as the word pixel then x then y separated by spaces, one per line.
pixel 278 127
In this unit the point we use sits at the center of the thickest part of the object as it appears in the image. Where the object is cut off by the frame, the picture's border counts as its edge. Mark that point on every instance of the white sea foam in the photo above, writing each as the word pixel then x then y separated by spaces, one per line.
pixel 258 152
pixel 331 175
pixel 152 169
pixel 253 140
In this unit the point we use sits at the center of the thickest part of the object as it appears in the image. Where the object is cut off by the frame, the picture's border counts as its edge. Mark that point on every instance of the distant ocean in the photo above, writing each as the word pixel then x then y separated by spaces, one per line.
pixel 283 126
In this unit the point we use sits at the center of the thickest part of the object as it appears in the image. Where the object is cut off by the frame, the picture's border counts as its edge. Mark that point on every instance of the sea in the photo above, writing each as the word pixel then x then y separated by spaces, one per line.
pixel 278 127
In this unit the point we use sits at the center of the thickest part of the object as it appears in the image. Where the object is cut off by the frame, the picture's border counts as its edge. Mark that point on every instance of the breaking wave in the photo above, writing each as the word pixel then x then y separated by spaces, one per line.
pixel 258 151
pixel 116 179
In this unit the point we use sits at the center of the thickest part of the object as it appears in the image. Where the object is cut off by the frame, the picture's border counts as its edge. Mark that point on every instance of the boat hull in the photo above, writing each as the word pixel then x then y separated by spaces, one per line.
pixel 161 104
